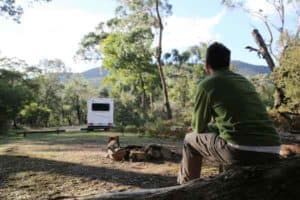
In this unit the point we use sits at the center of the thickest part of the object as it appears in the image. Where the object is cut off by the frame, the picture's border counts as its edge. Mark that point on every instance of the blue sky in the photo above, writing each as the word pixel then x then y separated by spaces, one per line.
pixel 54 30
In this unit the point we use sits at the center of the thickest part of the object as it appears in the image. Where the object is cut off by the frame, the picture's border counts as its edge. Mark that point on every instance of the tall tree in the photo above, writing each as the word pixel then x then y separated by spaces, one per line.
pixel 75 95
pixel 160 26
pixel 150 13
pixel 129 56
pixel 133 16
pixel 15 92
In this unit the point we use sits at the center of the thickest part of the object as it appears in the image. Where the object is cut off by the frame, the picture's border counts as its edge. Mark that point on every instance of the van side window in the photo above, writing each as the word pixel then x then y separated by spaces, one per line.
pixel 100 107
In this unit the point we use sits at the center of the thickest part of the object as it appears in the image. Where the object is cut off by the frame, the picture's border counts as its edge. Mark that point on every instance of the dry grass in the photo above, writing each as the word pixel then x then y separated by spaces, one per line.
pixel 46 166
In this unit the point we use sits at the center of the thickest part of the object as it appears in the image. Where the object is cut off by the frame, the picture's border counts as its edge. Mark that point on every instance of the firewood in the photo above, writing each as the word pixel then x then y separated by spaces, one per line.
pixel 137 156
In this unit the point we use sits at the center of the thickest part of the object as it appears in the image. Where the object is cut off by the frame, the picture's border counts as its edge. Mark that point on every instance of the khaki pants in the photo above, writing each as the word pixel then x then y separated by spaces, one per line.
pixel 214 148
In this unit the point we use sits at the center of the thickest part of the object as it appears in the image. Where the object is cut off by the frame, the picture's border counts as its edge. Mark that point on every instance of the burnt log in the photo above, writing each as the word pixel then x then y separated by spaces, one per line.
pixel 277 181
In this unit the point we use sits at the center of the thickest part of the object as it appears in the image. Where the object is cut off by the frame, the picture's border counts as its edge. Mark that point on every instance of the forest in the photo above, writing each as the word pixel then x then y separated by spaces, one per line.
pixel 153 90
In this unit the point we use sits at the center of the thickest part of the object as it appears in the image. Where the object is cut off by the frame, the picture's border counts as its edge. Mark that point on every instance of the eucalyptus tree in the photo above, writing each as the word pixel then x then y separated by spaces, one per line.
pixel 184 70
pixel 133 17
pixel 150 13
pixel 15 92
pixel 128 57
pixel 76 92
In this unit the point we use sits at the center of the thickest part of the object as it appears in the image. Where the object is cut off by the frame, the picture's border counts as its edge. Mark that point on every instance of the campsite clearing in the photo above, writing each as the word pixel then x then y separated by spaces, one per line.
pixel 47 166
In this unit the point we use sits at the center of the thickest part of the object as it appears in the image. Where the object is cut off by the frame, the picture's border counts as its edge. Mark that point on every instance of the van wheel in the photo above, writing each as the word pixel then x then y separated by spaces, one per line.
pixel 106 129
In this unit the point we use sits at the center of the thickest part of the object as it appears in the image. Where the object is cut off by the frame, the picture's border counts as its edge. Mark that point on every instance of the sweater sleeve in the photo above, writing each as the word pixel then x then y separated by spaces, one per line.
pixel 202 111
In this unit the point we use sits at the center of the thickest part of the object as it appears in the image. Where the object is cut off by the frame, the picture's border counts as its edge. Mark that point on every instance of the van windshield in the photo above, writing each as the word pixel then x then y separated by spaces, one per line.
pixel 100 107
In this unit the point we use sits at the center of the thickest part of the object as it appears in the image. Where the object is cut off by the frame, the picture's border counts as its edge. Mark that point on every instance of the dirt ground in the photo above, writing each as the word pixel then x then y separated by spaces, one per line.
pixel 49 166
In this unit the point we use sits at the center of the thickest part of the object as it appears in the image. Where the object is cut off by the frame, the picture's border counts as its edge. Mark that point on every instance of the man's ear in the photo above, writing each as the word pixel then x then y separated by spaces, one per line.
pixel 207 69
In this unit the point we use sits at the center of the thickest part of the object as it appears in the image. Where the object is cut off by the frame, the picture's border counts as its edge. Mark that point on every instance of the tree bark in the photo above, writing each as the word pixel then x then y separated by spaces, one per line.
pixel 263 50
pixel 3 124
pixel 78 110
pixel 278 181
pixel 159 63
pixel 144 95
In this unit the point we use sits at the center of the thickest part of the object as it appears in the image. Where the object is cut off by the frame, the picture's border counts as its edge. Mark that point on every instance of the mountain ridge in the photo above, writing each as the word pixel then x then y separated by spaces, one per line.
pixel 96 75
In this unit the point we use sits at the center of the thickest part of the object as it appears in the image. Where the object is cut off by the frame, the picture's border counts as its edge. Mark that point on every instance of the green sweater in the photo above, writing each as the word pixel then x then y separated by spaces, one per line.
pixel 238 114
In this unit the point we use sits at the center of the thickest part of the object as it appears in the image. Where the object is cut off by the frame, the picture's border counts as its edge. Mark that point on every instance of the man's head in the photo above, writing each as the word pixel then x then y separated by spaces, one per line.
pixel 217 58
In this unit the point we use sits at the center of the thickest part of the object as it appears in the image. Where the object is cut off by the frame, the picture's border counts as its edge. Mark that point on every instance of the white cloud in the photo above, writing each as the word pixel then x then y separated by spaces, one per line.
pixel 50 32
pixel 256 5
pixel 182 32
pixel 47 32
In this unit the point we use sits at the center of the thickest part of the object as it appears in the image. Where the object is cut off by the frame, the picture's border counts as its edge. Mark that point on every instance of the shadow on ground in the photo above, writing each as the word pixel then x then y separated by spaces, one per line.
pixel 11 164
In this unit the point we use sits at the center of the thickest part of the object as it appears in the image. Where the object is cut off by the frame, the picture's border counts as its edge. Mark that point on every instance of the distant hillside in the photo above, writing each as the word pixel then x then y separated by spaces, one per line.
pixel 247 69
pixel 96 75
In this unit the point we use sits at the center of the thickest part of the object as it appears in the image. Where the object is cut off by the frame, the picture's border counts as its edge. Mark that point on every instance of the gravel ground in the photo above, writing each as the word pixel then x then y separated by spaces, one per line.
pixel 48 166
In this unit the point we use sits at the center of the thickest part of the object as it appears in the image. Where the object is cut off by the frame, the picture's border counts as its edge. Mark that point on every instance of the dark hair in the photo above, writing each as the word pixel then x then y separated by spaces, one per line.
pixel 218 56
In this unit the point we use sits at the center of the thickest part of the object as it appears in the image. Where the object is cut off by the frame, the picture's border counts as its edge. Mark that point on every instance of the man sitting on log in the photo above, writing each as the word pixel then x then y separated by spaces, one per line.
pixel 230 123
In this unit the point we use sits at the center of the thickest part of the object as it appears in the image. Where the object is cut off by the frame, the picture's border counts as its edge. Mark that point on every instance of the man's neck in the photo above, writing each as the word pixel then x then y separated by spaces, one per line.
pixel 219 71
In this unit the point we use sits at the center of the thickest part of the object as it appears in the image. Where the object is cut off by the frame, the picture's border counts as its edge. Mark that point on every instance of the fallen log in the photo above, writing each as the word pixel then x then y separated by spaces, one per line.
pixel 26 132
pixel 277 181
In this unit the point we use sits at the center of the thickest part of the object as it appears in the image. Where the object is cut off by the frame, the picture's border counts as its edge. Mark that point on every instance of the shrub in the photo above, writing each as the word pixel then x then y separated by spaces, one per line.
pixel 165 128
pixel 119 129
pixel 131 129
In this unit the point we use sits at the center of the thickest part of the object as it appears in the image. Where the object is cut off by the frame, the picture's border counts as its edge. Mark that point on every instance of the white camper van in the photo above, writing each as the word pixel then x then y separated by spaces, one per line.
pixel 100 113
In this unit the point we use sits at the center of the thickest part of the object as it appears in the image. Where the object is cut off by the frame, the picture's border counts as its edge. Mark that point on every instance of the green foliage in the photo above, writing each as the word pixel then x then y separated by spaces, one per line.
pixel 130 51
pixel 35 115
pixel 287 77
pixel 76 92
pixel 131 129
pixel 133 78
pixel 38 97
pixel 183 71
pixel 15 91
pixel 265 88
pixel 158 128
pixel 165 128
pixel 104 93
pixel 127 114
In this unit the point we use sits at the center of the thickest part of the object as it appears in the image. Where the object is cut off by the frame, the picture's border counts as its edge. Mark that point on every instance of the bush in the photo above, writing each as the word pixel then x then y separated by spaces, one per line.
pixel 157 128
pixel 35 115
pixel 118 129
pixel 165 128
pixel 131 129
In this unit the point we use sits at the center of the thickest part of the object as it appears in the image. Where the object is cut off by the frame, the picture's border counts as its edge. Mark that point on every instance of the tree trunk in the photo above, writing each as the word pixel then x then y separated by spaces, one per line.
pixel 263 50
pixel 151 101
pixel 3 124
pixel 78 110
pixel 278 181
pixel 159 63
pixel 144 95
